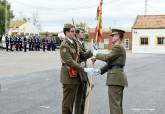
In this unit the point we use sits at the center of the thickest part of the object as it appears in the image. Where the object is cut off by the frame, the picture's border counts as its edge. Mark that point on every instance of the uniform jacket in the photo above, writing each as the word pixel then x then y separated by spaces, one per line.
pixel 68 55
pixel 116 75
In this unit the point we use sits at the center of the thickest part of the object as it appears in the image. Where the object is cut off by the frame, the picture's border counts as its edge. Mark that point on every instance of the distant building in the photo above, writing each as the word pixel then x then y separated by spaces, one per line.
pixel 23 27
pixel 148 34
pixel 107 39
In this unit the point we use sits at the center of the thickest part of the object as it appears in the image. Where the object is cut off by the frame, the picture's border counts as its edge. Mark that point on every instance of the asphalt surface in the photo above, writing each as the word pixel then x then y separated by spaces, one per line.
pixel 30 84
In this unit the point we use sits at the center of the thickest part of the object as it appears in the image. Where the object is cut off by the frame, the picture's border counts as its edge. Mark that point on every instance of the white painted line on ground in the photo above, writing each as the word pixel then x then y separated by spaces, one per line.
pixel 45 107
pixel 143 109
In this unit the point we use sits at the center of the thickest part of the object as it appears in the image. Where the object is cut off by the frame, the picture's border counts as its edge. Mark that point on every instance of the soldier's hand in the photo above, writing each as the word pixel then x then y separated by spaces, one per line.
pixel 96 71
pixel 82 64
pixel 93 59
pixel 95 52
pixel 88 70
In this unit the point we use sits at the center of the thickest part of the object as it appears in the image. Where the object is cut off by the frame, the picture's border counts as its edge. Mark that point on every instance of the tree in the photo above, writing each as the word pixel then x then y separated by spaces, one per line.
pixel 6 14
pixel 84 26
pixel 35 20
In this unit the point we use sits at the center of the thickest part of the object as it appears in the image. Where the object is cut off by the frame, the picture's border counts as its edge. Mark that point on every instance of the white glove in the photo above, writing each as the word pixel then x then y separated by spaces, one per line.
pixel 82 64
pixel 96 71
pixel 88 70
pixel 95 52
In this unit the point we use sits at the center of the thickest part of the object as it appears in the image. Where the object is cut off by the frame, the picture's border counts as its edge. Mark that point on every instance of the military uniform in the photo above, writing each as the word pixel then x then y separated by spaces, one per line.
pixel 116 78
pixel 69 52
pixel 7 43
pixel 82 89
pixel 32 43
pixel 37 44
pixel 17 43
pixel 70 85
pixel 29 43
pixel 11 43
pixel 43 44
pixel 20 43
pixel 25 44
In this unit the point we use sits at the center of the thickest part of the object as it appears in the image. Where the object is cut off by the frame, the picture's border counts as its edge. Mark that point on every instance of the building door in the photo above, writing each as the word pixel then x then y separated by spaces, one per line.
pixel 126 43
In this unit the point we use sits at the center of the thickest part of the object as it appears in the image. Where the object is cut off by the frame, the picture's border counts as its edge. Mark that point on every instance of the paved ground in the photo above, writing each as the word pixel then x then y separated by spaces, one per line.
pixel 30 84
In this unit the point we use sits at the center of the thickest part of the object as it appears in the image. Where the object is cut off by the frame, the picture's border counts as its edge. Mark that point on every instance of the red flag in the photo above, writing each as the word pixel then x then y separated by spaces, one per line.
pixel 98 30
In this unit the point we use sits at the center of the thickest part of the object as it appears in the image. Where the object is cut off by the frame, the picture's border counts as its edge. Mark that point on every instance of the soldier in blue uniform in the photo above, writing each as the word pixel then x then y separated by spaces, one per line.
pixel 38 43
pixel 11 43
pixel 33 44
pixel 43 44
pixel 48 44
pixel 20 43
pixel 17 43
pixel 53 44
pixel 7 42
pixel 25 43
pixel 29 42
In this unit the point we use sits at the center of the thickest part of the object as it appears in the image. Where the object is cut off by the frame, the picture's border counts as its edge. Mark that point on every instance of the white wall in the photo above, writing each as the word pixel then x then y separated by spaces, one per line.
pixel 28 28
pixel 152 47
pixel 25 28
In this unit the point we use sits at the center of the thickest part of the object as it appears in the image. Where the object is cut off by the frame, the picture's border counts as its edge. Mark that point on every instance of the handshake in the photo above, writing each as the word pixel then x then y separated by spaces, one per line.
pixel 92 71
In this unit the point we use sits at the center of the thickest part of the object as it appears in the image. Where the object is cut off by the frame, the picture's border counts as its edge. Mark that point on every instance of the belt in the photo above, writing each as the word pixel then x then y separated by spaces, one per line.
pixel 116 66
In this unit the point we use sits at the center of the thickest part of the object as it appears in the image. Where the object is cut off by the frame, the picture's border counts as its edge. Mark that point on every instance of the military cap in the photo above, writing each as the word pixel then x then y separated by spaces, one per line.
pixel 68 26
pixel 82 29
pixel 117 31
pixel 77 30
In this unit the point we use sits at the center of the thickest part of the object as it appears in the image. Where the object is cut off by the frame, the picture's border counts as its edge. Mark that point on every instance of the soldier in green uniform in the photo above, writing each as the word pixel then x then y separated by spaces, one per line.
pixel 116 78
pixel 70 69
pixel 82 89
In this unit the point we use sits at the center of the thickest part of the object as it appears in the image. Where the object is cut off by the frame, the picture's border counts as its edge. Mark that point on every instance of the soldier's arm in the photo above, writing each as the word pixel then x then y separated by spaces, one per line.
pixel 86 55
pixel 104 69
pixel 115 53
pixel 68 60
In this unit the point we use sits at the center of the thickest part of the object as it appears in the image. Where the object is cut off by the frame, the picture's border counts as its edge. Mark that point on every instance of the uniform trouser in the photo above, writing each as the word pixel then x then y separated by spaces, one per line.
pixel 29 47
pixel 43 47
pixel 7 47
pixel 80 100
pixel 20 47
pixel 24 47
pixel 69 93
pixel 115 99
pixel 11 47
pixel 17 47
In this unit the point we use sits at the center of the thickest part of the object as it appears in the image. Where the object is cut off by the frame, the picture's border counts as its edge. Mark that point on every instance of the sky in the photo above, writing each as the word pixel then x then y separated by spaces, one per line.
pixel 53 14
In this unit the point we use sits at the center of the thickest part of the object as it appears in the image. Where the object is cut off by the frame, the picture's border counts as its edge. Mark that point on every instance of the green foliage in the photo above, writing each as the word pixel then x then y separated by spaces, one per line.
pixel 5 13
pixel 82 25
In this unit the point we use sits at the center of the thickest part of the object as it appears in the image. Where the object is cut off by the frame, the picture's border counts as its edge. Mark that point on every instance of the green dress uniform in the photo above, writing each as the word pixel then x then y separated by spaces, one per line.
pixel 116 78
pixel 82 89
pixel 70 85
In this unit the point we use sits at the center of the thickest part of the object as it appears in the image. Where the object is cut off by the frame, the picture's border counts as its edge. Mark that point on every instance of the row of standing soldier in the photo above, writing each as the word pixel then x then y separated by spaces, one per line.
pixel 31 43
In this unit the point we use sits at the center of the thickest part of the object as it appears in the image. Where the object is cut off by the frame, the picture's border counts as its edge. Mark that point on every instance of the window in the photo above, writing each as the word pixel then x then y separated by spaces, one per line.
pixel 144 40
pixel 160 40
pixel 106 41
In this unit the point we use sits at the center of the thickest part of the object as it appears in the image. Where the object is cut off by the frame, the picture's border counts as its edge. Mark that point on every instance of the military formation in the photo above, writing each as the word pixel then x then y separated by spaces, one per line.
pixel 29 43
pixel 75 72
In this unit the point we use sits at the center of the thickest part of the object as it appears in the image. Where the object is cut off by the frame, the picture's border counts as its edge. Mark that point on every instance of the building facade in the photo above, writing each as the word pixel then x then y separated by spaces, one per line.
pixel 106 42
pixel 22 27
pixel 148 34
